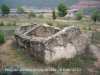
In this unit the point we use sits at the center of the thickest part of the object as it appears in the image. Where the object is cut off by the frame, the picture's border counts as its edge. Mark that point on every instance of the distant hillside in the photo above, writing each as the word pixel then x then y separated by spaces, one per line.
pixel 36 3
pixel 83 4
pixel 88 11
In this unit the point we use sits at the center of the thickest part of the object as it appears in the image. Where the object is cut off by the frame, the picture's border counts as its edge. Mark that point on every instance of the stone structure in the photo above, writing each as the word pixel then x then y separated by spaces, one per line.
pixel 48 44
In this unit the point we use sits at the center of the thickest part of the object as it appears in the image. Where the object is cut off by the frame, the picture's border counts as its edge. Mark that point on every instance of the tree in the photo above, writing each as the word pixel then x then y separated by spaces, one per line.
pixel 20 10
pixel 31 14
pixel 54 14
pixel 5 10
pixel 95 15
pixel 41 16
pixel 79 16
pixel 62 10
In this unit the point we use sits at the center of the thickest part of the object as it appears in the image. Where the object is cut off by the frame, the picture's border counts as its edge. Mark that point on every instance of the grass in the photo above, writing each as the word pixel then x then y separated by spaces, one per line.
pixel 59 22
pixel 51 73
pixel 7 31
pixel 7 27
pixel 24 56
pixel 50 23
pixel 95 39
pixel 16 56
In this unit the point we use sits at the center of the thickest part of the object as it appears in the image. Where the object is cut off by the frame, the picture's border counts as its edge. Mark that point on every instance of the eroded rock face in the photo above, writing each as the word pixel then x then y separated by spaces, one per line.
pixel 48 44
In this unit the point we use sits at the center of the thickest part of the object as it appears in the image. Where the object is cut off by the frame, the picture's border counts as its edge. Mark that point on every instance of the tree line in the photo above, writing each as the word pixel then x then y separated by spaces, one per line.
pixel 62 11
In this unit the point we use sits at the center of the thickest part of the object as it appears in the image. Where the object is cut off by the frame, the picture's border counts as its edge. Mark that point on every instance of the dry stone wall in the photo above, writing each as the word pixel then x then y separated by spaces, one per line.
pixel 47 43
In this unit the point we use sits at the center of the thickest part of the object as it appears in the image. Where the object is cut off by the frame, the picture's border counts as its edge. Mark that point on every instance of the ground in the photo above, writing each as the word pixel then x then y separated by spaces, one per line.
pixel 7 55
pixel 12 54
pixel 8 58
pixel 96 51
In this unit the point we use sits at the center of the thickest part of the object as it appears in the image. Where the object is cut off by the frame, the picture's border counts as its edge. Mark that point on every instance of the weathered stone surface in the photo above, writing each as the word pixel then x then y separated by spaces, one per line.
pixel 48 44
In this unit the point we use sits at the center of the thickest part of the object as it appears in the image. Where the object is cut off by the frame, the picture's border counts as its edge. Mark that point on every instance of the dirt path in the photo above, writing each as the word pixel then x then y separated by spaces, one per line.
pixel 96 51
pixel 3 47
pixel 4 54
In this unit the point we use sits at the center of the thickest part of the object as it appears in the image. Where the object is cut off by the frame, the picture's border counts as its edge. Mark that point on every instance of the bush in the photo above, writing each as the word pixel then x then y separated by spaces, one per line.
pixel 41 16
pixel 1 24
pixel 84 28
pixel 31 14
pixel 9 24
pixel 50 23
pixel 14 23
pixel 79 16
pixel 95 28
pixel 1 39
pixel 95 39
pixel 89 28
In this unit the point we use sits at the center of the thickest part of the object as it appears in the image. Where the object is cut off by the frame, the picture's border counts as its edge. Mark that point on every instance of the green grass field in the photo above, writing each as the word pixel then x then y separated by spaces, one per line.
pixel 7 31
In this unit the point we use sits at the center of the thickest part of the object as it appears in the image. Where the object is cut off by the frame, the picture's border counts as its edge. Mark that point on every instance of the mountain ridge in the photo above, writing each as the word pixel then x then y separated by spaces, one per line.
pixel 83 4
pixel 37 3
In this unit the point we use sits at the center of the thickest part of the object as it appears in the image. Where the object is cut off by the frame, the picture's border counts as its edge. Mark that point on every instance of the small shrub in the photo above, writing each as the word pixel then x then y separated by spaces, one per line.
pixel 95 39
pixel 79 16
pixel 84 28
pixel 1 24
pixel 31 14
pixel 89 28
pixel 9 24
pixel 0 61
pixel 95 29
pixel 1 39
pixel 41 16
pixel 50 23
pixel 15 56
pixel 14 23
